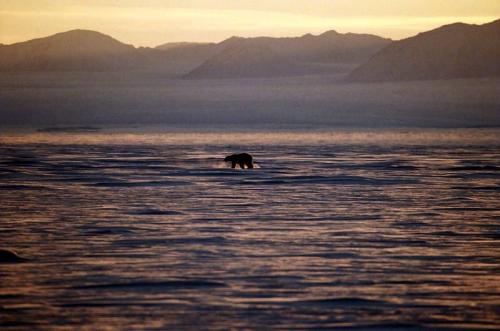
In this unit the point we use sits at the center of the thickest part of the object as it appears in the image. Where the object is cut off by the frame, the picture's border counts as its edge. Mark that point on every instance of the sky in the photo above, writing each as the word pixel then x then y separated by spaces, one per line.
pixel 154 22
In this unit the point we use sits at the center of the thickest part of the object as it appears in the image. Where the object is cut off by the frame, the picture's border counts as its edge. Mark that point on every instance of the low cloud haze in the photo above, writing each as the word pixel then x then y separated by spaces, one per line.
pixel 41 100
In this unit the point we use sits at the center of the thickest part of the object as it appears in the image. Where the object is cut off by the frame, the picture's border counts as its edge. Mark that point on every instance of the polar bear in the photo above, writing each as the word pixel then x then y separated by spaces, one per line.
pixel 242 160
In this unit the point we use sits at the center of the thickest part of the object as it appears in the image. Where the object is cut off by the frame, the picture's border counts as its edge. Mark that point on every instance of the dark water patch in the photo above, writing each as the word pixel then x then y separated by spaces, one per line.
pixel 82 178
pixel 477 175
pixel 340 283
pixel 417 282
pixel 212 230
pixel 9 256
pixel 237 205
pixel 268 278
pixel 106 231
pixel 332 256
pixel 399 241
pixel 112 304
pixel 334 180
pixel 465 209
pixel 411 224
pixel 429 257
pixel 156 212
pixel 120 255
pixel 140 184
pixel 152 285
pixel 17 322
pixel 225 197
pixel 14 187
pixel 170 241
pixel 215 173
pixel 383 165
pixel 358 217
pixel 452 234
pixel 10 296
pixel 266 294
pixel 425 214
pixel 477 188
pixel 8 171
pixel 344 303
pixel 396 326
pixel 450 294
pixel 69 129
pixel 207 220
pixel 135 162
pixel 71 170
pixel 21 162
pixel 473 168
pixel 494 236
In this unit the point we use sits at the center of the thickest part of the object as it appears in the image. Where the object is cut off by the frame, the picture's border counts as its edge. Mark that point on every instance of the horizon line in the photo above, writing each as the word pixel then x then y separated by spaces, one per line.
pixel 490 20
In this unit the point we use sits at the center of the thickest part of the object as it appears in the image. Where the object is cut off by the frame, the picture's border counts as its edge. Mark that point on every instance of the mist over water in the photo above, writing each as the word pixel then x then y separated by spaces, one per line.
pixel 332 230
pixel 103 99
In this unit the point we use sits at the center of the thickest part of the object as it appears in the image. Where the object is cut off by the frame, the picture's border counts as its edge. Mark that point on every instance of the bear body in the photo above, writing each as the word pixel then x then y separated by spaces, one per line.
pixel 242 160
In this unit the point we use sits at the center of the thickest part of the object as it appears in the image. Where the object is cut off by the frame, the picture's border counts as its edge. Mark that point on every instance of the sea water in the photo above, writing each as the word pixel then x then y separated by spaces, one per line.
pixel 334 229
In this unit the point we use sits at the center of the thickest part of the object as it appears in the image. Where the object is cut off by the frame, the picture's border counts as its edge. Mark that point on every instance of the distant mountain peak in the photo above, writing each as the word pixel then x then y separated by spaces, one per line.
pixel 76 37
pixel 330 33
pixel 455 50
pixel 74 50
pixel 82 34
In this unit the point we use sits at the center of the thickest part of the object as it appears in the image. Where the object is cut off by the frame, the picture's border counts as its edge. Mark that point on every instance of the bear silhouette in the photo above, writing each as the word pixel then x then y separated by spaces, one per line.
pixel 242 160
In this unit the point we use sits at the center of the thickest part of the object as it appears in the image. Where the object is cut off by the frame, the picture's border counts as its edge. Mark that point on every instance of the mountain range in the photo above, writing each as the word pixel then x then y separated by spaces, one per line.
pixel 452 51
pixel 85 50
pixel 330 52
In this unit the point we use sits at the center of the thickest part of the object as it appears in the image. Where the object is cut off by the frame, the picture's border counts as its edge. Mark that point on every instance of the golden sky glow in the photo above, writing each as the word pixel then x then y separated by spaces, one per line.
pixel 153 22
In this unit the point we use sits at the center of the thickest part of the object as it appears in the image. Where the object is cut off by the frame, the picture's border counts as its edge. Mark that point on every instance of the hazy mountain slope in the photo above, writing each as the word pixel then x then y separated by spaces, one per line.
pixel 452 51
pixel 182 59
pixel 266 56
pixel 78 50
pixel 247 59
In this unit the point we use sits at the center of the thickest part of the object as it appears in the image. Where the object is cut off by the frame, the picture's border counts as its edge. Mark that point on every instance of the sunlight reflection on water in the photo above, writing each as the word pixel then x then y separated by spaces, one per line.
pixel 345 229
pixel 341 136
